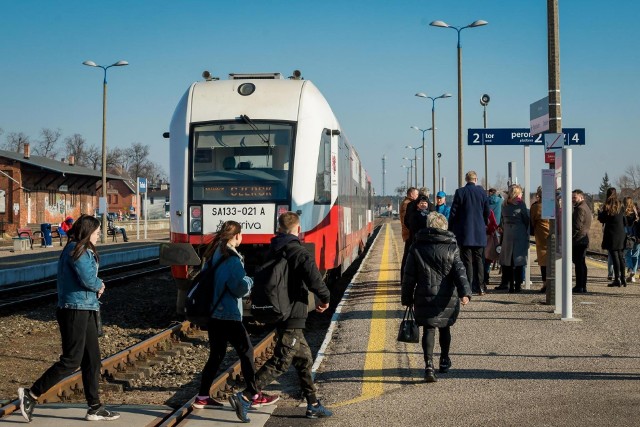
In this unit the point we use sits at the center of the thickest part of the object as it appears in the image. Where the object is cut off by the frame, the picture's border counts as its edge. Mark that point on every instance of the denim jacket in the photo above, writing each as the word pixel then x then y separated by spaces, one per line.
pixel 78 282
pixel 230 275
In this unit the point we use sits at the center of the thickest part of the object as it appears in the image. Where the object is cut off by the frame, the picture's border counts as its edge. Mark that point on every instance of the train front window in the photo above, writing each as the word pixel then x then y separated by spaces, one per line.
pixel 241 161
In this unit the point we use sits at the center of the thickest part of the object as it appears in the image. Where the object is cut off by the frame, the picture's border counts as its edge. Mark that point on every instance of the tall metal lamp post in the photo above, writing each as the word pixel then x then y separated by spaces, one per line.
pixel 439 182
pixel 408 168
pixel 433 128
pixel 412 164
pixel 103 237
pixel 484 101
pixel 415 159
pixel 442 24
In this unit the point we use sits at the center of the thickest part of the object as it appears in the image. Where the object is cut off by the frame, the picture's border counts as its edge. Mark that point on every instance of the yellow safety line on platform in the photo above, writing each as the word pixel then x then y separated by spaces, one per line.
pixel 373 380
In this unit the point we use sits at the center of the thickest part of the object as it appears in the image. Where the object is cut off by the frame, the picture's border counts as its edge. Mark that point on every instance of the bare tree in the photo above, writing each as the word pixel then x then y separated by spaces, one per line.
pixel 76 146
pixel 47 145
pixel 138 162
pixel 629 183
pixel 116 159
pixel 15 141
pixel 500 183
pixel 94 157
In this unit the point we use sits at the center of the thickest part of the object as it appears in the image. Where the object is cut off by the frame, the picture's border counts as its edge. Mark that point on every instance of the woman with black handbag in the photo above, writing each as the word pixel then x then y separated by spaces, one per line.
pixel 435 283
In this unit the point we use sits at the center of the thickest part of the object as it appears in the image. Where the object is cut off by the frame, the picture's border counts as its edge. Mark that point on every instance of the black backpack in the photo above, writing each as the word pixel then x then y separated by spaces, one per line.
pixel 199 304
pixel 270 301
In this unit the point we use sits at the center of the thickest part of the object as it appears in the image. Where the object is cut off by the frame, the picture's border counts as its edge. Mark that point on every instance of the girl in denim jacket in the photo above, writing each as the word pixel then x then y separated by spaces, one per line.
pixel 231 284
pixel 77 313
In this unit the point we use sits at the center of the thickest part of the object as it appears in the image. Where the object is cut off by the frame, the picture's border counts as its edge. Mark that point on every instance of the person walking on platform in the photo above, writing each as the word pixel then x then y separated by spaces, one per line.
pixel 612 216
pixel 79 289
pixel 515 240
pixel 441 204
pixel 412 210
pixel 435 283
pixel 225 326
pixel 580 223
pixel 412 194
pixel 632 229
pixel 540 229
pixel 291 346
pixel 468 221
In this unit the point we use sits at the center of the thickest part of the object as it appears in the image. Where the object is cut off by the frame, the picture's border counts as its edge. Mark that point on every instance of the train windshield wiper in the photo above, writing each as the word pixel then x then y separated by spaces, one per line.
pixel 253 126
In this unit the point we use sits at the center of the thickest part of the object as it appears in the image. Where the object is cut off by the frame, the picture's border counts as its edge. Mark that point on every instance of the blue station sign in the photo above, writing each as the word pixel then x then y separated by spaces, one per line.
pixel 520 136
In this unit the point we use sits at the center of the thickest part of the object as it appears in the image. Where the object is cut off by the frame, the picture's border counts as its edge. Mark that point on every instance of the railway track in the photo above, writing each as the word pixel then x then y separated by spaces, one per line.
pixel 14 297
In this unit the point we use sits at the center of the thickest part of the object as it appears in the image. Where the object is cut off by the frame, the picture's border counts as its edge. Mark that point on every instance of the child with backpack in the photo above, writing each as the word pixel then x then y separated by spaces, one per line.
pixel 303 276
pixel 225 326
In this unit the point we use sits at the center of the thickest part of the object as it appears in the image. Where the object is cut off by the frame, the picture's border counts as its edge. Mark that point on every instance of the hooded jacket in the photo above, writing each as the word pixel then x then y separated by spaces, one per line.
pixel 304 276
pixel 231 276
pixel 435 278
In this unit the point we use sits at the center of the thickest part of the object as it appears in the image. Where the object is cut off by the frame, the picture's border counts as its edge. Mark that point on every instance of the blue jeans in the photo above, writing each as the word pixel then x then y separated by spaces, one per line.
pixel 631 256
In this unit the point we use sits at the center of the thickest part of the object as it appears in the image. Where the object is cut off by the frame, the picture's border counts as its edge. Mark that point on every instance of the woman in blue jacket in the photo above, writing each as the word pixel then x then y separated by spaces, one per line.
pixel 77 313
pixel 231 284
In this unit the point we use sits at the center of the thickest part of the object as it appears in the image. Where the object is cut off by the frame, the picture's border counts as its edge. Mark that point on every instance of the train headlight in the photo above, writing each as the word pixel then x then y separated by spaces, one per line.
pixel 246 89
pixel 196 226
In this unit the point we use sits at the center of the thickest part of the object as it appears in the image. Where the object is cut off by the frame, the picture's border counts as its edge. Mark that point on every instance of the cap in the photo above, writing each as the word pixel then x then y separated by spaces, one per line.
pixel 423 198
pixel 441 194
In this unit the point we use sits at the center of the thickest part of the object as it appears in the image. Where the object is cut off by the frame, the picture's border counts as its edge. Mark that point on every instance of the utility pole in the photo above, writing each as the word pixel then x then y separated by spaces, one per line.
pixel 384 172
pixel 555 126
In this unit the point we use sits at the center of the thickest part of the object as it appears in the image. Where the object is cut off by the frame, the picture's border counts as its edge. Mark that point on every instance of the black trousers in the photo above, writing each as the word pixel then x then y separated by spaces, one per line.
pixel 291 348
pixel 220 333
pixel 617 259
pixel 429 338
pixel 407 245
pixel 579 259
pixel 80 348
pixel 473 260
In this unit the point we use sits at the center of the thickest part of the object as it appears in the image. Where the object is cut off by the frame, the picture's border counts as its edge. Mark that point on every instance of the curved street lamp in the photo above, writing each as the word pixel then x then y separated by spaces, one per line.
pixel 415 157
pixel 474 24
pixel 103 237
pixel 433 134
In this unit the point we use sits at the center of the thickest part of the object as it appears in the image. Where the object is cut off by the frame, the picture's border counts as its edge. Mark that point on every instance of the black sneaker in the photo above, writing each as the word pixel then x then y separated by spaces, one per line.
pixel 445 365
pixel 27 403
pixel 101 414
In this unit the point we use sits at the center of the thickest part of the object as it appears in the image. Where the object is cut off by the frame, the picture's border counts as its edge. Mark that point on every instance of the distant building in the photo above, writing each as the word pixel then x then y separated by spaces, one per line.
pixel 42 190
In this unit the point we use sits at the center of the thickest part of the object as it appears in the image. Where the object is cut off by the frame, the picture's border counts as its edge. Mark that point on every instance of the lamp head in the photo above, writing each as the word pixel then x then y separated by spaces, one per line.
pixel 421 95
pixel 90 63
pixel 439 24
pixel 120 64
pixel 478 23
pixel 445 95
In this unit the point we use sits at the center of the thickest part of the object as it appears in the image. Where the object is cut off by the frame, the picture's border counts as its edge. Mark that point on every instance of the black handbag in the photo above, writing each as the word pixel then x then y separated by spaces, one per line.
pixel 409 331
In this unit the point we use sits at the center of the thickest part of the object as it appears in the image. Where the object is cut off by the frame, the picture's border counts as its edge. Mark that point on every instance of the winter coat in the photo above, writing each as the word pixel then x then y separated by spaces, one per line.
pixel 434 278
pixel 469 215
pixel 541 232
pixel 78 283
pixel 581 224
pixel 304 276
pixel 613 235
pixel 495 204
pixel 515 234
pixel 230 275
pixel 403 212
pixel 412 210
pixel 418 222
pixel 444 210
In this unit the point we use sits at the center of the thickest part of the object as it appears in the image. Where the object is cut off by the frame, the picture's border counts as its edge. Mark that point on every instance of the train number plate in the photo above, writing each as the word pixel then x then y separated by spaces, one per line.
pixel 254 218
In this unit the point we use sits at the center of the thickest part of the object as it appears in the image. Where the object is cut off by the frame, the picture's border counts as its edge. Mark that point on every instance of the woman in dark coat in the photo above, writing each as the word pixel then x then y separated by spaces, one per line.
pixel 515 240
pixel 612 216
pixel 435 282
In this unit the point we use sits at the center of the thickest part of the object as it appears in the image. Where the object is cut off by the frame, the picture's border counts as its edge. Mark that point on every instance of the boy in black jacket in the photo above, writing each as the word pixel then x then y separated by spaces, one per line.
pixel 292 346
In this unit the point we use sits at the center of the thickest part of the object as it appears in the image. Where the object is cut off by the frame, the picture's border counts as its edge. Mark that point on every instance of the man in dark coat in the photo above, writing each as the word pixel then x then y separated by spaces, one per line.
pixel 435 282
pixel 468 220
pixel 292 347
pixel 412 210
pixel 581 223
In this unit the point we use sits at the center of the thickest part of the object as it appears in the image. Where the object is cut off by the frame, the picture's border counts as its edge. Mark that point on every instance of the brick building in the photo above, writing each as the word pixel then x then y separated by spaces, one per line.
pixel 35 190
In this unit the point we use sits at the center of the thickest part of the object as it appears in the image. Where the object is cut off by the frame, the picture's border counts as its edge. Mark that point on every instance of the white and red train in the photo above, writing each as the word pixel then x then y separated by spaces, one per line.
pixel 254 146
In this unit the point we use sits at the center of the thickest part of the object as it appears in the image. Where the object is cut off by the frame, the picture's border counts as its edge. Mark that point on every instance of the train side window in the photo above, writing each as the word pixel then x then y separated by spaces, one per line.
pixel 323 172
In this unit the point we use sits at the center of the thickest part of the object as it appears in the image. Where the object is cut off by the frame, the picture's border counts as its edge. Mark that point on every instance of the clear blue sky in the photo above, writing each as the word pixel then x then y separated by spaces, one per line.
pixel 368 57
